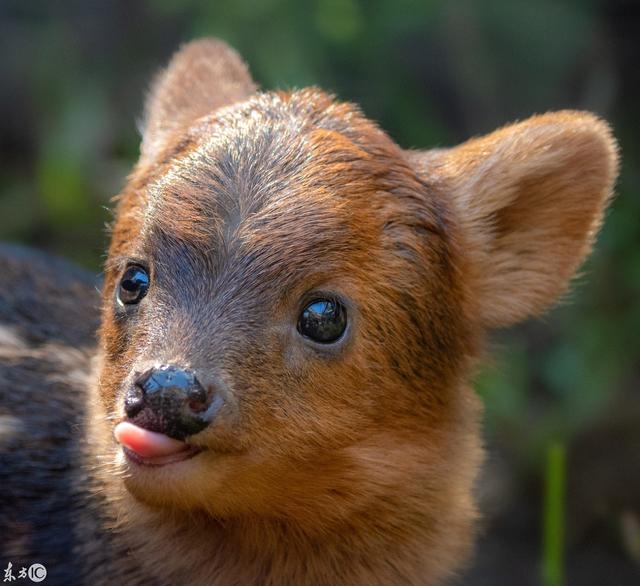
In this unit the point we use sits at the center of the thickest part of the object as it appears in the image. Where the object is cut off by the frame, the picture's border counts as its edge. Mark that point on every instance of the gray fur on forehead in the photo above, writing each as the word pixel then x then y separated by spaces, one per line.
pixel 267 155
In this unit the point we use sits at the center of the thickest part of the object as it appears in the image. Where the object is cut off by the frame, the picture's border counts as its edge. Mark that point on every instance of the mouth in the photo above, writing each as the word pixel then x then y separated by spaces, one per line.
pixel 149 448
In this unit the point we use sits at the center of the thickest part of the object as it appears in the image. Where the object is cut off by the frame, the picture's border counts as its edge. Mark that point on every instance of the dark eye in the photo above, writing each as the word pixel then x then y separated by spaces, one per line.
pixel 323 320
pixel 133 286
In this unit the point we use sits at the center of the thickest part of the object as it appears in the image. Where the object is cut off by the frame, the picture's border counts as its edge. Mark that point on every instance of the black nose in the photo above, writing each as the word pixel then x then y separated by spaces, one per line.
pixel 170 400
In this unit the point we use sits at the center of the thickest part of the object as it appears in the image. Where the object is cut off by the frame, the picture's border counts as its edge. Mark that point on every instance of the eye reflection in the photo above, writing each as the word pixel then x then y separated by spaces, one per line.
pixel 323 320
pixel 133 285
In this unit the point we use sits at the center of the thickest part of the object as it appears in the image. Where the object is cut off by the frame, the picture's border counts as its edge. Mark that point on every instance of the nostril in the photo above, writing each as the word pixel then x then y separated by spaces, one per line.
pixel 197 398
pixel 134 401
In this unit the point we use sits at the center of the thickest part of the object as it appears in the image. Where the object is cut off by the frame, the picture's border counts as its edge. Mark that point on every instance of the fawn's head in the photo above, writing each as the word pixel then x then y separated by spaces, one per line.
pixel 298 301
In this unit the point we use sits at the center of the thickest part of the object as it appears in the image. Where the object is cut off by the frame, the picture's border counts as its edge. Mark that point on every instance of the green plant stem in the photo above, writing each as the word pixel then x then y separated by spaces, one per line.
pixel 554 513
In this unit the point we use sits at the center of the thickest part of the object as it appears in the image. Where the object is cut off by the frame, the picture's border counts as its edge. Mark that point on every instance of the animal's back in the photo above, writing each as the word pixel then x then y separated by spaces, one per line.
pixel 48 320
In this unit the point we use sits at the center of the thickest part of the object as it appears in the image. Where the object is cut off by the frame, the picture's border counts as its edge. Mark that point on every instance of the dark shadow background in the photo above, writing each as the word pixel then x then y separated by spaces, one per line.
pixel 72 80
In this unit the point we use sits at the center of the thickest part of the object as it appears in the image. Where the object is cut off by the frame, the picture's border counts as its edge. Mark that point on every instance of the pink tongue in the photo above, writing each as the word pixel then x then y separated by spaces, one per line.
pixel 145 443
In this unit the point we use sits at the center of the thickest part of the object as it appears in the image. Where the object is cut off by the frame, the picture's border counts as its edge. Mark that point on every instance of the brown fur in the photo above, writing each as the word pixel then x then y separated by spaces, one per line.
pixel 351 464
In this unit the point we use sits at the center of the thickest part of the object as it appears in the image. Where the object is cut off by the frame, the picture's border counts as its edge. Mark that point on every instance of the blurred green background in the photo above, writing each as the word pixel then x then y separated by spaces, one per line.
pixel 72 80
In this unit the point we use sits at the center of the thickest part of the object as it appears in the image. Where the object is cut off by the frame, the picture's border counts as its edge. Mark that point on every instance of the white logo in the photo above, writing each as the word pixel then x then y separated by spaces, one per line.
pixel 37 572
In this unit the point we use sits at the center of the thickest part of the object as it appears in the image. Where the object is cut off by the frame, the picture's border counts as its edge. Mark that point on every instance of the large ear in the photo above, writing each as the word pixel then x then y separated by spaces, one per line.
pixel 530 199
pixel 202 76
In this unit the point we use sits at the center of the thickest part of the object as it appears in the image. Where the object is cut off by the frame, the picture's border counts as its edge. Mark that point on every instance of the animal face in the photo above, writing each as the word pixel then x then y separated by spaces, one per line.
pixel 292 302
pixel 291 261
